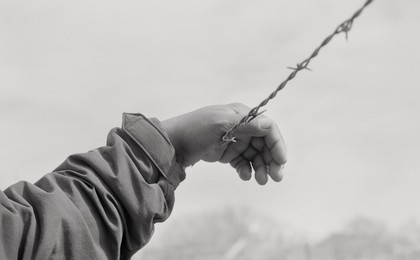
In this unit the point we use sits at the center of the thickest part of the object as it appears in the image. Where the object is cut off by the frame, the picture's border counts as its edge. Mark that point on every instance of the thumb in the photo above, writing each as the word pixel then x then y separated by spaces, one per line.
pixel 258 127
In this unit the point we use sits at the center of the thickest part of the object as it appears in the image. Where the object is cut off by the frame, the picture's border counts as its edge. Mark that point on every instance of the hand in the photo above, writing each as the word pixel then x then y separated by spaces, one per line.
pixel 197 135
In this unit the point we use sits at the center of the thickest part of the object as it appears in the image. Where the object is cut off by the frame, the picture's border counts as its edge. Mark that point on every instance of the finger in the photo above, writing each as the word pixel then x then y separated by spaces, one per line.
pixel 243 167
pixel 250 153
pixel 267 155
pixel 276 145
pixel 233 150
pixel 258 143
pixel 260 126
pixel 244 170
pixel 276 171
pixel 260 169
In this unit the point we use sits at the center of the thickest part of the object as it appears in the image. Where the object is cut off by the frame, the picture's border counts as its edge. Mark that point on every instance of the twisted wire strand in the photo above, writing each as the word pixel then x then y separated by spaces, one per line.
pixel 344 27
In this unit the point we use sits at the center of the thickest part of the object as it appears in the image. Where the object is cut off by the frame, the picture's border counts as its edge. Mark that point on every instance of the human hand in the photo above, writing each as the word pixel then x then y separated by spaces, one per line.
pixel 197 136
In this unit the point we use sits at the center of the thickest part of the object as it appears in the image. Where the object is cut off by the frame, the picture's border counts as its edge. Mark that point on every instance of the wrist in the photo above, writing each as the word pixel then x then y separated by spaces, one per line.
pixel 172 131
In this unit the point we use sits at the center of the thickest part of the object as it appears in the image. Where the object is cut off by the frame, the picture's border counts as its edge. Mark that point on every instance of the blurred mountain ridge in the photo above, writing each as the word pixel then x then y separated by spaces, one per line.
pixel 243 233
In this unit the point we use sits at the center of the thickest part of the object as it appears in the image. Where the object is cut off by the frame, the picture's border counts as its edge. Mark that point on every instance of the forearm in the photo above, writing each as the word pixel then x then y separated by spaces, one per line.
pixel 97 205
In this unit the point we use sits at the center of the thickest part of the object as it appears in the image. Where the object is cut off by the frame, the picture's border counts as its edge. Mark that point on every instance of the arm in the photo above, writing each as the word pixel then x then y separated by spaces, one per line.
pixel 103 204
pixel 97 205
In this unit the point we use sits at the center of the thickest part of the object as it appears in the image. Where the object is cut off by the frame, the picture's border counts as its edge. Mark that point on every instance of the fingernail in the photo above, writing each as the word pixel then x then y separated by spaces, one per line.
pixel 265 123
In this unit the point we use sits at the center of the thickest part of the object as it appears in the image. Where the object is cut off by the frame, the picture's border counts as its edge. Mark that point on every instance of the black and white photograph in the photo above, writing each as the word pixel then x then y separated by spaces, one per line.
pixel 210 130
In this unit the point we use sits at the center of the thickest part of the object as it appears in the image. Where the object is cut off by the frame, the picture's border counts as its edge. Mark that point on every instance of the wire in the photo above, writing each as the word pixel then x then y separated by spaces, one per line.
pixel 344 27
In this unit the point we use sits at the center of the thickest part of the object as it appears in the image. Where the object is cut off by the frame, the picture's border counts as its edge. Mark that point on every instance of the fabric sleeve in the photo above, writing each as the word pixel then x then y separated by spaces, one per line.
pixel 97 205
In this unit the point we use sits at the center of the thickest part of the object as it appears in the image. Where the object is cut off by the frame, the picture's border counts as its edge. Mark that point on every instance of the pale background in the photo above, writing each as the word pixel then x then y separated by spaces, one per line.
pixel 68 69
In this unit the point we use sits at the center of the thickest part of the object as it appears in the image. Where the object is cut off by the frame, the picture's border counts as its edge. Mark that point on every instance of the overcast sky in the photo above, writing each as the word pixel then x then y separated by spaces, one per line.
pixel 68 69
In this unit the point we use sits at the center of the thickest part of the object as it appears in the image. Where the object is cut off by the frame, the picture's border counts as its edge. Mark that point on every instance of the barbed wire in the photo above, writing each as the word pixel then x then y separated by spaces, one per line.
pixel 344 27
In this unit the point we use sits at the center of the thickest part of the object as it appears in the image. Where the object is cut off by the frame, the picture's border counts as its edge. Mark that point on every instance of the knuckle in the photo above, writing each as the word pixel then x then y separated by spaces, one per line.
pixel 240 107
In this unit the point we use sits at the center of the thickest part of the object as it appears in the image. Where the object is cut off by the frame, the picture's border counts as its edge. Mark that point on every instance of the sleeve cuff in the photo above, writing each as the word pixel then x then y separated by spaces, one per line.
pixel 148 134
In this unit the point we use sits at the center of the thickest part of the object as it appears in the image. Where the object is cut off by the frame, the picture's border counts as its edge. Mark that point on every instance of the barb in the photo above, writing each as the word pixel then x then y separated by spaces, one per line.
pixel 344 27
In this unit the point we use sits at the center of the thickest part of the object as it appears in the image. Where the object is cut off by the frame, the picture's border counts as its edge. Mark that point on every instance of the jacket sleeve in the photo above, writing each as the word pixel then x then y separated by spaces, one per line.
pixel 97 205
